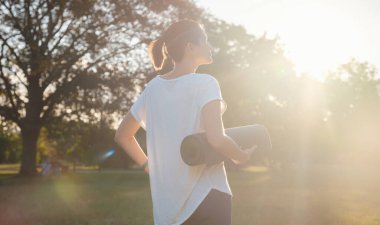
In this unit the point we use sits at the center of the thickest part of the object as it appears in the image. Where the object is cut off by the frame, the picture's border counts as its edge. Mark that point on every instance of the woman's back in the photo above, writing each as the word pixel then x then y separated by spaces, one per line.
pixel 169 110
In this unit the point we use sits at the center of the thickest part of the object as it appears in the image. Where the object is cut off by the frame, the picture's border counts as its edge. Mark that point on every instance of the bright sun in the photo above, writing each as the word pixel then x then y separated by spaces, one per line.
pixel 317 36
pixel 317 39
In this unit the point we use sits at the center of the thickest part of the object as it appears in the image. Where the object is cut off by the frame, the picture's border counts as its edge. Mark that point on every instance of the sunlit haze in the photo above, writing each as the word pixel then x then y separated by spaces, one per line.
pixel 316 35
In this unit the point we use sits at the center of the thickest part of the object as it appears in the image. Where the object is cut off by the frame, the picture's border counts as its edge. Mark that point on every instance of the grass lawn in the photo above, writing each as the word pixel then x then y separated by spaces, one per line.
pixel 298 196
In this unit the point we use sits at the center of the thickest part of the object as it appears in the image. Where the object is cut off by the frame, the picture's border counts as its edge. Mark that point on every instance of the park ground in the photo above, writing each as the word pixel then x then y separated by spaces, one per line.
pixel 312 195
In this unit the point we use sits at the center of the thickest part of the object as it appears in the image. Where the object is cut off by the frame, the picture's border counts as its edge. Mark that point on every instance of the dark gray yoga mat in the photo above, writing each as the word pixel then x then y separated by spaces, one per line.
pixel 195 149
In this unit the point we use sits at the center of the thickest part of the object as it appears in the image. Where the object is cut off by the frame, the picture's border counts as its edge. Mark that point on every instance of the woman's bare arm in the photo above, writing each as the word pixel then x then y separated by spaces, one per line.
pixel 213 124
pixel 125 138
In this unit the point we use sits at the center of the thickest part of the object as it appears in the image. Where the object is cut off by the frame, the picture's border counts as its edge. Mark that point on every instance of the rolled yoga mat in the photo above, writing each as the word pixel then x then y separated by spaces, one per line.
pixel 196 150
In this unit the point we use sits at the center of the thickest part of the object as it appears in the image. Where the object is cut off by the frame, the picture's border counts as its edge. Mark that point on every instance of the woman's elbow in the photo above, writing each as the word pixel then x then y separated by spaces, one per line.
pixel 122 137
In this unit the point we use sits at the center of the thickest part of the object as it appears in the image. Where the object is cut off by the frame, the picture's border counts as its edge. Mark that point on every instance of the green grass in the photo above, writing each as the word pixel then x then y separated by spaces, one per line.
pixel 298 196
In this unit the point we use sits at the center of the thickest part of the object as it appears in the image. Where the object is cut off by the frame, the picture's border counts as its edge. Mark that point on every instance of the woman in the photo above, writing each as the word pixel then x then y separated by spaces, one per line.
pixel 176 103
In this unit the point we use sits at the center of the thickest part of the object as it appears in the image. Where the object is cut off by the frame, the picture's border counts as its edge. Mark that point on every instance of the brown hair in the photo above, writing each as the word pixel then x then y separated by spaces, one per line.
pixel 170 46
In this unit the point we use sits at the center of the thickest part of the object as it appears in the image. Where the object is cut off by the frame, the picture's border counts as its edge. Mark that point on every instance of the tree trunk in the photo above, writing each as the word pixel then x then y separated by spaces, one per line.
pixel 30 127
pixel 29 134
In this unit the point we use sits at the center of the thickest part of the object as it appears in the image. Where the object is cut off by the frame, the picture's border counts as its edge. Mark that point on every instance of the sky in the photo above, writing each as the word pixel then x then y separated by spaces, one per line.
pixel 317 36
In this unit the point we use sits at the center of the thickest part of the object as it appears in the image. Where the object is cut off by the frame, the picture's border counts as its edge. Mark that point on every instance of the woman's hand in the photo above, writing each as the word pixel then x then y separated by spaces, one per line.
pixel 247 155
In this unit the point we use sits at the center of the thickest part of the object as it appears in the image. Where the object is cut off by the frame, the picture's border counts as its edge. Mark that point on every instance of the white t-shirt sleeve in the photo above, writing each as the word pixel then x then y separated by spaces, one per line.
pixel 209 91
pixel 138 110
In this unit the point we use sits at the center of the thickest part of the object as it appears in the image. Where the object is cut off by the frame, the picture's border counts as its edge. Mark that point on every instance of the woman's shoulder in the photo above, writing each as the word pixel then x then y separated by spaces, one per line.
pixel 204 77
pixel 207 79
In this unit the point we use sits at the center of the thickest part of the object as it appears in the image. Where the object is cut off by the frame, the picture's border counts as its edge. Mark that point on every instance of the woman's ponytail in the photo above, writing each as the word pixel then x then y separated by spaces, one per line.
pixel 174 40
pixel 159 56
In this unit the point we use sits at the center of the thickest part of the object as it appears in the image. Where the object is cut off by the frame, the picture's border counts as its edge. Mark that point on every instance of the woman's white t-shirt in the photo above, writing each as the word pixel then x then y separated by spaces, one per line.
pixel 169 110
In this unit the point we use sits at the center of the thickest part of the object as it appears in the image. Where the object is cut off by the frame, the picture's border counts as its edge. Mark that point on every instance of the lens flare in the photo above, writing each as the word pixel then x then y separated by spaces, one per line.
pixel 106 155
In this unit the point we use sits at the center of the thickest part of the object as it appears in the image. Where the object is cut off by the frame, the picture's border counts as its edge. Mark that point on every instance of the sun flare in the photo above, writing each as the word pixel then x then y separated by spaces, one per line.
pixel 318 39
pixel 317 36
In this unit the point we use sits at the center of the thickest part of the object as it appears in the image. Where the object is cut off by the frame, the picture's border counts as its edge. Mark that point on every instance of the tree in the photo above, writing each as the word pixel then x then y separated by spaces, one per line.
pixel 10 143
pixel 353 100
pixel 68 59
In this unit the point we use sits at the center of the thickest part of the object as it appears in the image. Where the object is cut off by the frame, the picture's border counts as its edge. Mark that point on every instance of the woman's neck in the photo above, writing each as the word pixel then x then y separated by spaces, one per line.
pixel 181 69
